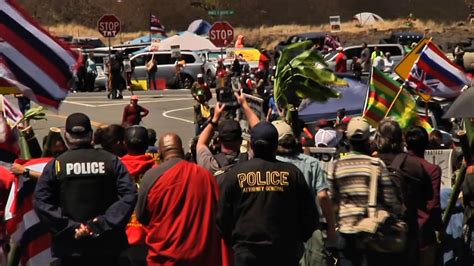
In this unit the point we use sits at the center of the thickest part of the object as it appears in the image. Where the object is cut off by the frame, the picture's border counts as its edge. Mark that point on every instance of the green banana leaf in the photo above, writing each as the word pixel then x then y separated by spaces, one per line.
pixel 297 74
pixel 291 52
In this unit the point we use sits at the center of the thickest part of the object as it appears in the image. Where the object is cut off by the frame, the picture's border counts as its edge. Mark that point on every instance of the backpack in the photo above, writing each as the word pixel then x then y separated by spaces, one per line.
pixel 398 177
pixel 380 231
pixel 115 66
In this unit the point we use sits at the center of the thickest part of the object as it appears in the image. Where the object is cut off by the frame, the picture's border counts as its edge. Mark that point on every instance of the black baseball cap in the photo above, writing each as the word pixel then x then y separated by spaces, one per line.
pixel 136 135
pixel 78 124
pixel 229 130
pixel 264 136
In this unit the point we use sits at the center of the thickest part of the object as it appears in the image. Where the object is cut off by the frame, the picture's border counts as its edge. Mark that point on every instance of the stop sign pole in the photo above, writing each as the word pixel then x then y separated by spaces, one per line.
pixel 109 26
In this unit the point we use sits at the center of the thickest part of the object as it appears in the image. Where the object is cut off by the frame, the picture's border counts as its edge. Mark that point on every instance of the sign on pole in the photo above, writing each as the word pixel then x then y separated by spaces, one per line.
pixel 442 158
pixel 109 26
pixel 221 34
pixel 335 23
pixel 218 12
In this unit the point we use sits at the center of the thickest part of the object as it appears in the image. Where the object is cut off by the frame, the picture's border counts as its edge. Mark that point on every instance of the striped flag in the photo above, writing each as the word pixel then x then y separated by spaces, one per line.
pixel 435 75
pixel 23 225
pixel 11 114
pixel 382 93
pixel 31 59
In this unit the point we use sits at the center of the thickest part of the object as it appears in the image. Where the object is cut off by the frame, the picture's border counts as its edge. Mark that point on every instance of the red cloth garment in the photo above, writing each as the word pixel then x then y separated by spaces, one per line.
pixel 263 62
pixel 136 165
pixel 182 210
pixel 341 63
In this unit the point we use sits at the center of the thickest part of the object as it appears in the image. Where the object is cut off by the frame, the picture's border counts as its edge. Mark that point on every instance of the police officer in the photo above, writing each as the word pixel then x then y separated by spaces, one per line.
pixel 86 197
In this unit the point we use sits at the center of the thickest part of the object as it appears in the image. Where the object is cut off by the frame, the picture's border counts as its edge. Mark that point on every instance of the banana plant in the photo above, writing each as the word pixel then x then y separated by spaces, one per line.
pixel 297 74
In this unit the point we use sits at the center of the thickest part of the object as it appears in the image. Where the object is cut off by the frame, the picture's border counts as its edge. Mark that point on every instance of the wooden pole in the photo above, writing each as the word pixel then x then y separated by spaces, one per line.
pixel 459 178
pixel 393 102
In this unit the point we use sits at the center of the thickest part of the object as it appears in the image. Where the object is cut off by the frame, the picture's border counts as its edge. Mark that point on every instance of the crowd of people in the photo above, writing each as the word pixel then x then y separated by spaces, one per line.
pixel 111 197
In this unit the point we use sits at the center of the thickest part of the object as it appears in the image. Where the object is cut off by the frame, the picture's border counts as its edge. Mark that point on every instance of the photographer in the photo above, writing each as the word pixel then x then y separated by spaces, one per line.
pixel 230 136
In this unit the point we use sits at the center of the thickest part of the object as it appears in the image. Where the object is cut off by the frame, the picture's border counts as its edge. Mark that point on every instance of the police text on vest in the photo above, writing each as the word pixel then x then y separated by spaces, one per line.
pixel 85 168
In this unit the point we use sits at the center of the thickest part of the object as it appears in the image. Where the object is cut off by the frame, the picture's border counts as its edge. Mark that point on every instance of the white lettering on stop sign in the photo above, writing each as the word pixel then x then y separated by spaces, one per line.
pixel 221 33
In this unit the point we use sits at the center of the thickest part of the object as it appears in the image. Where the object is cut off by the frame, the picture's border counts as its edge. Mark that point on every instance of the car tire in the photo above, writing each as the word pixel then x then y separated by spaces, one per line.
pixel 187 81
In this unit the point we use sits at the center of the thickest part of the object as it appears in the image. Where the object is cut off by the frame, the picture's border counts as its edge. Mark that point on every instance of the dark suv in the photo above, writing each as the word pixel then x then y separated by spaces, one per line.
pixel 315 37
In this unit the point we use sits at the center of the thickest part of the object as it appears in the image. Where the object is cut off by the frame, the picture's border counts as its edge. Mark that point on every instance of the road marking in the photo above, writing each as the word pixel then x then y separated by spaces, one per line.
pixel 95 104
pixel 94 123
pixel 78 103
pixel 165 114
pixel 128 97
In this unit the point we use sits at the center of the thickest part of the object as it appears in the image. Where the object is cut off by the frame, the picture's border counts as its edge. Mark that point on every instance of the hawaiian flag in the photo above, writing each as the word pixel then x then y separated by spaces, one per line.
pixel 40 66
pixel 155 25
pixel 435 75
pixel 22 223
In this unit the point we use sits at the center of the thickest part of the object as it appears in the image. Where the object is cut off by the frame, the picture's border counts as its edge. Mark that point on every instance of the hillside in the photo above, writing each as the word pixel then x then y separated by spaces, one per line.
pixel 248 13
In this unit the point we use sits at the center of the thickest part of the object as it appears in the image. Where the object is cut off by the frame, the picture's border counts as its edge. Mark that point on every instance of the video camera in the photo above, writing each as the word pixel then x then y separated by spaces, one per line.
pixel 226 96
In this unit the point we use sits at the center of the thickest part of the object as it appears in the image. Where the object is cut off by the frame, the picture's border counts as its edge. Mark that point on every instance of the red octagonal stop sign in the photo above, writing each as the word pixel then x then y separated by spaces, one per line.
pixel 109 26
pixel 221 34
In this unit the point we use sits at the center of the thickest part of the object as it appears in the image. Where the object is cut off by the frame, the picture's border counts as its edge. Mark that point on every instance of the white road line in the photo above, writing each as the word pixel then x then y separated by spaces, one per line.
pixel 128 97
pixel 78 103
pixel 144 102
pixel 165 114
pixel 95 104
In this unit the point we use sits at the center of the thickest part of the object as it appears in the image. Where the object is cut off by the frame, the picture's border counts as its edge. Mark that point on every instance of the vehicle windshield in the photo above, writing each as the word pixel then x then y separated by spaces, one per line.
pixel 214 56
pixel 330 55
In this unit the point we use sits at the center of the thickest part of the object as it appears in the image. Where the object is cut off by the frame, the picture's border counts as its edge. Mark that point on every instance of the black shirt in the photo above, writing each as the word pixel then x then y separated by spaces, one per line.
pixel 266 205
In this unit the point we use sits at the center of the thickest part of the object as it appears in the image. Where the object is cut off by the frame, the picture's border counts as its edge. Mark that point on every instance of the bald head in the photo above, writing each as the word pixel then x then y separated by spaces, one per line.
pixel 170 146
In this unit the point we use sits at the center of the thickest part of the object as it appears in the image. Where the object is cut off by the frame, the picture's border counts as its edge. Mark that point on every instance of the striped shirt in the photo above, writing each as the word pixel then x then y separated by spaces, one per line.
pixel 349 182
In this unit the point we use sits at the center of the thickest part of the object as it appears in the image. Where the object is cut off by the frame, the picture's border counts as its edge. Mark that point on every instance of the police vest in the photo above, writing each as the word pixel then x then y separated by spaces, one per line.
pixel 87 183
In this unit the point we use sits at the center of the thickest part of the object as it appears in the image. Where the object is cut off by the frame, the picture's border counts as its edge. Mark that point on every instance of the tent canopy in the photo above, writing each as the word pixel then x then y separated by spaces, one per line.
pixel 367 18
pixel 145 39
pixel 352 99
pixel 187 41
pixel 199 27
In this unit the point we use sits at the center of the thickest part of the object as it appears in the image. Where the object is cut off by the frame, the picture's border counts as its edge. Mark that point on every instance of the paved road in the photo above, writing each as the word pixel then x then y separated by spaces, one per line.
pixel 170 111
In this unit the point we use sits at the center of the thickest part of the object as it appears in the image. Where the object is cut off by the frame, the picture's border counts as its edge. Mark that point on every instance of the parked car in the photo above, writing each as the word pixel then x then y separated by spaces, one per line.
pixel 166 66
pixel 86 43
pixel 315 37
pixel 404 37
pixel 210 68
pixel 396 50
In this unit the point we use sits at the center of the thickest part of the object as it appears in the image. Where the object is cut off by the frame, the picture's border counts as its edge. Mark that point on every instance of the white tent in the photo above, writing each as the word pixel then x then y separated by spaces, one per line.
pixel 187 41
pixel 367 18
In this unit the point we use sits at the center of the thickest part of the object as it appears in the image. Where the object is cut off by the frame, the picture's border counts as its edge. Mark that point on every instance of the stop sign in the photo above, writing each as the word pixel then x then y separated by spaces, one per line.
pixel 109 26
pixel 221 34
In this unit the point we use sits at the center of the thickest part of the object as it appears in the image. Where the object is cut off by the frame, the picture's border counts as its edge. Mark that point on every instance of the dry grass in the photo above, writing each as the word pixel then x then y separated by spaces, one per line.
pixel 269 36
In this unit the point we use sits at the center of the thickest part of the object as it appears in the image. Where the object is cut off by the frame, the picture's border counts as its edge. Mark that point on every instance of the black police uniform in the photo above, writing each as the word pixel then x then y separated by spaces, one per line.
pixel 78 186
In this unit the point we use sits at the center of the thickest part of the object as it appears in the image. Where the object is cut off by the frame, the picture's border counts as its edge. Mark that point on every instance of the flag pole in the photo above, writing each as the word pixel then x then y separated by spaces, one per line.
pixel 394 101
pixel 366 102
pixel 149 27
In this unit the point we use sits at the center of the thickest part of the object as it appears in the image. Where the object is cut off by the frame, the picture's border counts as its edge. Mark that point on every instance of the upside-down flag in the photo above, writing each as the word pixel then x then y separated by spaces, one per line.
pixel 383 91
pixel 40 66
pixel 10 112
pixel 22 222
pixel 435 75
pixel 155 25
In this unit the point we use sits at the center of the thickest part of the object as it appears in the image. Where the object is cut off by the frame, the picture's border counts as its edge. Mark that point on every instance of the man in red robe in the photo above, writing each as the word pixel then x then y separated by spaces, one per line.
pixel 177 204
pixel 137 163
